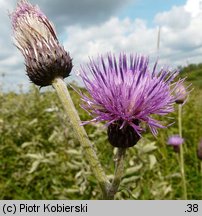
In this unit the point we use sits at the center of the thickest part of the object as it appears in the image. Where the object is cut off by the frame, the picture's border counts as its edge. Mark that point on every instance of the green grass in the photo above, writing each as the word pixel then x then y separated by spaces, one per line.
pixel 41 159
pixel 193 72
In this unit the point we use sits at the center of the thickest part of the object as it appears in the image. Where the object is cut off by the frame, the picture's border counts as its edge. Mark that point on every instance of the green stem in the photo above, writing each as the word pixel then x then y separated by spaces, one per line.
pixel 65 98
pixel 182 153
pixel 118 173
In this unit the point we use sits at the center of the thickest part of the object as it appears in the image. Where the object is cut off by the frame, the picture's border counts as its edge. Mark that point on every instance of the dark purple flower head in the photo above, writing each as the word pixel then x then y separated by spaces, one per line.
pixel 126 94
pixel 36 38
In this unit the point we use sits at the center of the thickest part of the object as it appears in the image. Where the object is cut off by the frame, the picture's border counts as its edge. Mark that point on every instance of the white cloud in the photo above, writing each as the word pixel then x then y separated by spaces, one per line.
pixel 115 35
pixel 181 34
pixel 177 18
pixel 181 39
pixel 194 7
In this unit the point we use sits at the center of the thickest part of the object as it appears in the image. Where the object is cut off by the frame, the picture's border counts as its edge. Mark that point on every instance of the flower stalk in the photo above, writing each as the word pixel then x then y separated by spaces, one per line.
pixel 181 158
pixel 108 189
pixel 65 98
pixel 118 173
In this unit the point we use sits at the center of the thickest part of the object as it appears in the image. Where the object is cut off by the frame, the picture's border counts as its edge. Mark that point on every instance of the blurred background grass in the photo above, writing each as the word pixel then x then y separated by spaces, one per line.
pixel 41 159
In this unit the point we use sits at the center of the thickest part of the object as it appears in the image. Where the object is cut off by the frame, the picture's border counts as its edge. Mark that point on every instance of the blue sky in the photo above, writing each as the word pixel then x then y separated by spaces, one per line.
pixel 147 9
pixel 91 27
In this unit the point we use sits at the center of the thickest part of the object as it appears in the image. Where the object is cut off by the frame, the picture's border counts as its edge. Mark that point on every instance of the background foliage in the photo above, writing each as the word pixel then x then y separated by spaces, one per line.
pixel 41 159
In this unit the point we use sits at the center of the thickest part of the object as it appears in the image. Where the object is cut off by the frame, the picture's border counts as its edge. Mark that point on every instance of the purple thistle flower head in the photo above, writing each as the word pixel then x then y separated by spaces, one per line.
pixel 126 94
pixel 175 141
pixel 36 38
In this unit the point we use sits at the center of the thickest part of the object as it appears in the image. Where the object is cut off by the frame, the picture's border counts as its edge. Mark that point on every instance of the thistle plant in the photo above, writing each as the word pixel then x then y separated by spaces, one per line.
pixel 182 93
pixel 124 93
pixel 47 63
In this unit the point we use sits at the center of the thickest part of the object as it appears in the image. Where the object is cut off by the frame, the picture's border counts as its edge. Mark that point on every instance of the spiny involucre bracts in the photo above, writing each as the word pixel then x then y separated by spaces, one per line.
pixel 35 37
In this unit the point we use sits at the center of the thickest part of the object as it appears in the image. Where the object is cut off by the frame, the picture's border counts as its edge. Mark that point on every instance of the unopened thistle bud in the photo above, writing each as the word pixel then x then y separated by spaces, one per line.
pixel 45 58
pixel 181 94
pixel 199 150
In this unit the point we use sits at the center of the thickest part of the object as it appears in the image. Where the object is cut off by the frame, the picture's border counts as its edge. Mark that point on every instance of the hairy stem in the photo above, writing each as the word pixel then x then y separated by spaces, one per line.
pixel 64 96
pixel 118 173
pixel 182 154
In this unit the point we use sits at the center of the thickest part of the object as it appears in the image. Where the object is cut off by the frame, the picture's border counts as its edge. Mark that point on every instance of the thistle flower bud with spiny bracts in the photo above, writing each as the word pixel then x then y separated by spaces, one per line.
pixel 35 37
pixel 175 141
pixel 181 94
pixel 126 94
pixel 199 150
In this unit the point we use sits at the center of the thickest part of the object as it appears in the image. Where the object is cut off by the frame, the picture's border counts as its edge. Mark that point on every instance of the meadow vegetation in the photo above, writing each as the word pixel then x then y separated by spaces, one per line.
pixel 41 159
